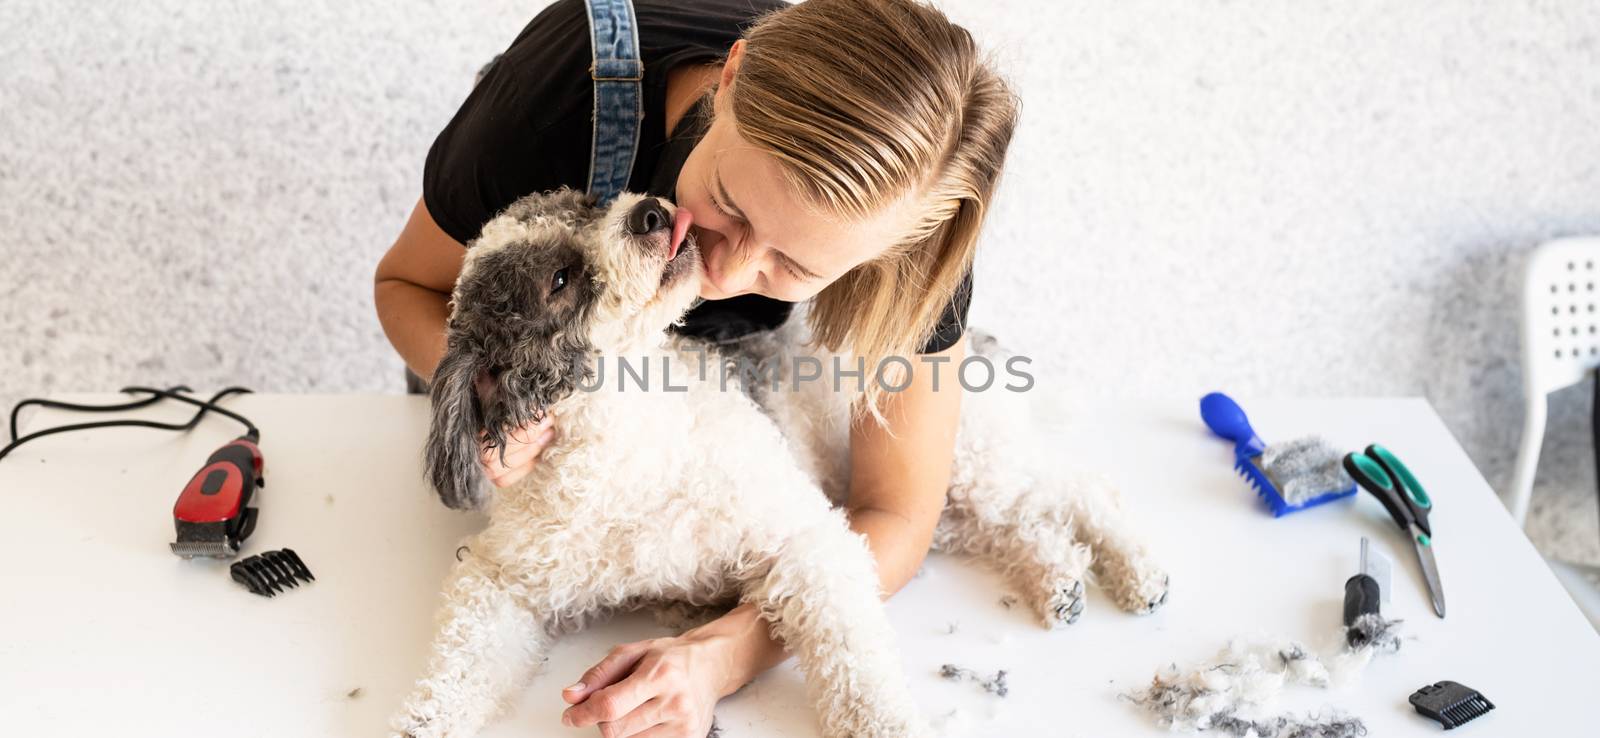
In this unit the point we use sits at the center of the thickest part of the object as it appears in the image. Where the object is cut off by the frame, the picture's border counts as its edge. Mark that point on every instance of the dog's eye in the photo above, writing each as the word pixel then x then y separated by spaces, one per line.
pixel 558 280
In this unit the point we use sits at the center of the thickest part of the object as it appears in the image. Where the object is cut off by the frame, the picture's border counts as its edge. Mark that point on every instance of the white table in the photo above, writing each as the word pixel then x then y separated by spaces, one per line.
pixel 104 629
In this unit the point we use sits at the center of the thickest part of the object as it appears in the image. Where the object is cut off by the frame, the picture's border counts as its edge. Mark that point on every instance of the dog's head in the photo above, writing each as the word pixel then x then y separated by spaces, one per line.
pixel 551 283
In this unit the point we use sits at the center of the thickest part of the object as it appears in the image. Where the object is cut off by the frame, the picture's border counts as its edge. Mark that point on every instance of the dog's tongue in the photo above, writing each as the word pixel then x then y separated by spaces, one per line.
pixel 680 228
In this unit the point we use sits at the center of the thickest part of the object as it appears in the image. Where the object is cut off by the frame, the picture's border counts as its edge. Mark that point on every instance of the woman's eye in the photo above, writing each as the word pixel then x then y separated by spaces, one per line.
pixel 558 280
pixel 724 211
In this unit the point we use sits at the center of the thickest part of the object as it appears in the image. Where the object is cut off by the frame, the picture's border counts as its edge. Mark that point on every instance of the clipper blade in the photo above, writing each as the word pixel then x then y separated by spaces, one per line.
pixel 1450 703
pixel 210 549
pixel 218 539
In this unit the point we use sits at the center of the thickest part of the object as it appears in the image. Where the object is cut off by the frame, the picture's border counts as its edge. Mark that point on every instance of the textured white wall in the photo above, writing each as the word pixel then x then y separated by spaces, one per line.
pixel 1310 198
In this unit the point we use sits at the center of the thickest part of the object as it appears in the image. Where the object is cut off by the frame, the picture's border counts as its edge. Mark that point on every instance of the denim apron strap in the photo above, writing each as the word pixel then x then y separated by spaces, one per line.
pixel 618 104
pixel 618 108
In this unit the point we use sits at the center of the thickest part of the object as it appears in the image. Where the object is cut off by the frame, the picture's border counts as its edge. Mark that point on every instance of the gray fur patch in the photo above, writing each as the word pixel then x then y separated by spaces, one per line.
pixel 1305 468
pixel 516 343
pixel 1376 632
pixel 1248 675
pixel 995 685
pixel 1334 726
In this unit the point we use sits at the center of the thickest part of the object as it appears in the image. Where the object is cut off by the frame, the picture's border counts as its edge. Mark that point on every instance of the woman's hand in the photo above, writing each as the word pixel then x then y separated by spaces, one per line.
pixel 659 688
pixel 523 447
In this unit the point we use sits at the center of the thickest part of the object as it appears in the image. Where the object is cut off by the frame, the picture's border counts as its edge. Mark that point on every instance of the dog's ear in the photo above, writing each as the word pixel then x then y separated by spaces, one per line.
pixel 451 458
pixel 546 365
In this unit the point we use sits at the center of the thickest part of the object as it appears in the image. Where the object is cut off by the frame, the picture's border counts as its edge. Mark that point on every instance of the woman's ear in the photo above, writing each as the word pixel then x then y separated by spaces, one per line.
pixel 730 66
pixel 451 458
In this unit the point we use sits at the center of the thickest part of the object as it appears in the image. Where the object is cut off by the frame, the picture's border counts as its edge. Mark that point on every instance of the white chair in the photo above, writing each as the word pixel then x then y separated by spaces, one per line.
pixel 1560 347
pixel 1560 341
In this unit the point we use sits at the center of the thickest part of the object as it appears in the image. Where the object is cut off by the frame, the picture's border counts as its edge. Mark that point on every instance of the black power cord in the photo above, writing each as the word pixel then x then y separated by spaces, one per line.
pixel 156 395
pixel 16 411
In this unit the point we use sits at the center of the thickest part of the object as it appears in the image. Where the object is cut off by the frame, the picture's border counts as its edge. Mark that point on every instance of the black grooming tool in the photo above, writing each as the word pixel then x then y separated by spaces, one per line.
pixel 1362 594
pixel 1450 703
pixel 270 572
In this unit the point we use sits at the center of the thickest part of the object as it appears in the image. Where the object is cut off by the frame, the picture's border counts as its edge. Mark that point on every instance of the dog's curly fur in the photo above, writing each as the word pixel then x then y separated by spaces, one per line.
pixel 700 498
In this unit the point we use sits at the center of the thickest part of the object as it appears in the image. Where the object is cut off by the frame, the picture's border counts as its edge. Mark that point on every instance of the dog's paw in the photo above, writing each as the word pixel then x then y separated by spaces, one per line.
pixel 408 733
pixel 1065 604
pixel 1152 596
pixel 410 723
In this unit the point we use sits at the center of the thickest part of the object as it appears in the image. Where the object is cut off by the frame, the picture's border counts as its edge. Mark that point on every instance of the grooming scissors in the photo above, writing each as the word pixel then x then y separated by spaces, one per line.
pixel 1382 473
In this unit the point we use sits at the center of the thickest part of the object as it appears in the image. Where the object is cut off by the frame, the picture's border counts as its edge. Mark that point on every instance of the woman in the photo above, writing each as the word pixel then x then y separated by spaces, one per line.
pixel 841 151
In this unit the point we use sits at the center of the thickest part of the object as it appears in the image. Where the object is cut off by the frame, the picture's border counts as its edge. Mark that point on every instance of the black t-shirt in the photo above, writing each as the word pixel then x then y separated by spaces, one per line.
pixel 527 127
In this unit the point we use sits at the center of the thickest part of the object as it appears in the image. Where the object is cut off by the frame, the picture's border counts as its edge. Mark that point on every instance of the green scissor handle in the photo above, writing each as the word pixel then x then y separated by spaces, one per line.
pixel 1414 490
pixel 1382 473
pixel 1372 477
pixel 1367 469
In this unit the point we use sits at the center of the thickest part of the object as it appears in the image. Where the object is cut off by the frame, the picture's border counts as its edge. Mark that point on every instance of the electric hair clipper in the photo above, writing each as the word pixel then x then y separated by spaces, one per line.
pixel 213 514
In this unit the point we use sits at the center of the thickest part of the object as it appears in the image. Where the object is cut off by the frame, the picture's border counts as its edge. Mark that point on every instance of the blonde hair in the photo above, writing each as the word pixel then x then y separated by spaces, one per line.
pixel 864 103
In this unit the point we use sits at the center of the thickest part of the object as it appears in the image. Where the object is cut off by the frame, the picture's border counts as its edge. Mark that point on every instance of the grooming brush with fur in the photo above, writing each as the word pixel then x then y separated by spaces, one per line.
pixel 1291 476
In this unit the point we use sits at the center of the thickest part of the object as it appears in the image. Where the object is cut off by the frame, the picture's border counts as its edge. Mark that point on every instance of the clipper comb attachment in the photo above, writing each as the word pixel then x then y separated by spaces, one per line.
pixel 270 572
pixel 1450 703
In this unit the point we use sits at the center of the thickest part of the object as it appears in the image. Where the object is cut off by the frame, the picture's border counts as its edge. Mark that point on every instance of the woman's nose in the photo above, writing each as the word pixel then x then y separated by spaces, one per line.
pixel 731 271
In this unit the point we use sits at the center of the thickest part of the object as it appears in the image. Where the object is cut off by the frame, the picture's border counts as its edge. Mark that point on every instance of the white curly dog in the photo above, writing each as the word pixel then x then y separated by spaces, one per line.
pixel 692 494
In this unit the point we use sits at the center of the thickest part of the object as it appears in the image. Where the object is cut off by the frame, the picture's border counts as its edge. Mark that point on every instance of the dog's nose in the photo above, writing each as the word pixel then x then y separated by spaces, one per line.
pixel 648 216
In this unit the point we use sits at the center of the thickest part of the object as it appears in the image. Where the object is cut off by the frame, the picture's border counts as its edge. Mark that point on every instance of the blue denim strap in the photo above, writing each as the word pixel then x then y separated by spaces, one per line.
pixel 618 104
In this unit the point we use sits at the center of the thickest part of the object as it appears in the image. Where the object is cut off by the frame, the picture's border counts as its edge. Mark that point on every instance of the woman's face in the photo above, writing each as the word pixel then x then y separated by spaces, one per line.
pixel 755 234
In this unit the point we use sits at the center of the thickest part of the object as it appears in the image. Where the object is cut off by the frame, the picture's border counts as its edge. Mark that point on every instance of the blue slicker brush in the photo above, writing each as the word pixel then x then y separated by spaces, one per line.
pixel 1290 476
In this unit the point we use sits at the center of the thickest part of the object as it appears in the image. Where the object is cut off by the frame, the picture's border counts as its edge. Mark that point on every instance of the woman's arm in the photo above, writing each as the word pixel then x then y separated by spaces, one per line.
pixel 412 293
pixel 412 290
pixel 898 480
pixel 899 474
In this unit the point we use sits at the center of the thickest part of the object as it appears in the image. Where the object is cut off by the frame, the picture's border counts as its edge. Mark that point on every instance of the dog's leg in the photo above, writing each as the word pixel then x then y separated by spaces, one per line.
pixel 1122 565
pixel 487 646
pixel 1031 544
pixel 682 616
pixel 820 593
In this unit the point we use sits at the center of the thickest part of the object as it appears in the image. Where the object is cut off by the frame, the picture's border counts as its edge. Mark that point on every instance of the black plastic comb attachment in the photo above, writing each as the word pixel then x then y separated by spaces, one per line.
pixel 270 572
pixel 1450 703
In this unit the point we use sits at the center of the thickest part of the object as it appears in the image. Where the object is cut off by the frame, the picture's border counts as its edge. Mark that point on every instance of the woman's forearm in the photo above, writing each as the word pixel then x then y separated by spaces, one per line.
pixel 898 544
pixel 898 478
pixel 413 317
pixel 750 650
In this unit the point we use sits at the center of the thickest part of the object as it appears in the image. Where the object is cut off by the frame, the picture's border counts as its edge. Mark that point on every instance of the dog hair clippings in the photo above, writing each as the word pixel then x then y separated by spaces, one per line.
pixel 270 572
pixel 995 685
pixel 1248 676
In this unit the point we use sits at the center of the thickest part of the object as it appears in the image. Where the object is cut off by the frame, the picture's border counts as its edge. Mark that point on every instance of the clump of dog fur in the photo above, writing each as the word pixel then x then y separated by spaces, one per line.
pixel 995 685
pixel 1248 675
